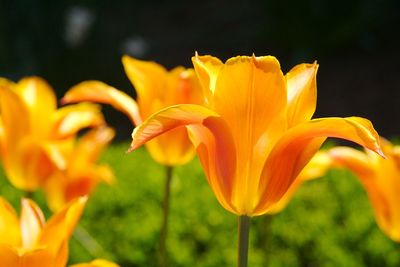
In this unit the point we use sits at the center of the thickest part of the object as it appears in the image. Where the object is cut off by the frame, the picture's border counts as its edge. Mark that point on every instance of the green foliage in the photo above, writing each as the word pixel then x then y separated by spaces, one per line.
pixel 328 223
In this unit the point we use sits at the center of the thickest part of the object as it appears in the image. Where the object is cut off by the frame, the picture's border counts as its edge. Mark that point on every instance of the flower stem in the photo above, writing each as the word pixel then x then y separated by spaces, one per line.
pixel 243 240
pixel 164 227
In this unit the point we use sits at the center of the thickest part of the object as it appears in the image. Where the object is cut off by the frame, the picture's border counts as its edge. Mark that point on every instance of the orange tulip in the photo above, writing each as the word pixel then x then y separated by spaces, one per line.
pixel 96 263
pixel 29 241
pixel 256 133
pixel 156 88
pixel 82 174
pixel 381 180
pixel 33 130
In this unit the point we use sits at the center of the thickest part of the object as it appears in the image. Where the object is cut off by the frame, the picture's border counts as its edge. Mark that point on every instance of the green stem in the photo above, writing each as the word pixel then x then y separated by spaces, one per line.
pixel 164 227
pixel 243 240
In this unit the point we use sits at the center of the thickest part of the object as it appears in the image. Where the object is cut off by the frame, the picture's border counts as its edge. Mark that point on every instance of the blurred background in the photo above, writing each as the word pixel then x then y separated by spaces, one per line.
pixel 355 42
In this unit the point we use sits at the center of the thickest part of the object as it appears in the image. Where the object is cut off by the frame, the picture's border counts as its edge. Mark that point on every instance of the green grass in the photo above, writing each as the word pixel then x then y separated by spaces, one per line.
pixel 328 223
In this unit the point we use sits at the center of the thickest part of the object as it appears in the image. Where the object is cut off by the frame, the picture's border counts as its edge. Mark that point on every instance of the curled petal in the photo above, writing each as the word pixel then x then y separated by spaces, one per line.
pixel 297 146
pixel 210 136
pixel 98 92
pixel 70 119
pixel 207 69
pixel 302 93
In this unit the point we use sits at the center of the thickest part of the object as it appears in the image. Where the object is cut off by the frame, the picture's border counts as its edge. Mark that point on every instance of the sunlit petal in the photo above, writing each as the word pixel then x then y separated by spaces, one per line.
pixel 210 136
pixel 207 69
pixel 41 101
pixel 98 92
pixel 149 80
pixel 298 145
pixel 302 93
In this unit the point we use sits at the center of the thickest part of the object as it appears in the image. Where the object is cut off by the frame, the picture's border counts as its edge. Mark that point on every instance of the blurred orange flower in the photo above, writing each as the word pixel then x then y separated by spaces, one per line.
pixel 82 174
pixel 256 133
pixel 33 131
pixel 96 263
pixel 380 178
pixel 30 241
pixel 156 88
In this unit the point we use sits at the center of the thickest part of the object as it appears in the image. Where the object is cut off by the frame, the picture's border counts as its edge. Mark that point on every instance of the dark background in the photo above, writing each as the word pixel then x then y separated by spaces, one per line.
pixel 356 44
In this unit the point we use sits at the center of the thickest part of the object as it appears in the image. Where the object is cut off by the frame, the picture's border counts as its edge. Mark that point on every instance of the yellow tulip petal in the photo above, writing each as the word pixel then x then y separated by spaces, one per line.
pixel 250 83
pixel 149 80
pixel 357 161
pixel 59 228
pixel 70 119
pixel 12 110
pixel 171 148
pixel 95 91
pixel 210 136
pixel 32 221
pixel 41 101
pixel 6 83
pixel 296 147
pixel 301 93
pixel 96 263
pixel 9 225
pixel 37 258
pixel 207 69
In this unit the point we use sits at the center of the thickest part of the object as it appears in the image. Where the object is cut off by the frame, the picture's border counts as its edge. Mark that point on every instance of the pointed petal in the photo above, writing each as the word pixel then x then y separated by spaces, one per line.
pixel 250 83
pixel 302 93
pixel 41 101
pixel 98 92
pixel 70 119
pixel 357 161
pixel 149 80
pixel 9 224
pixel 209 134
pixel 296 147
pixel 32 221
pixel 60 227
pixel 207 69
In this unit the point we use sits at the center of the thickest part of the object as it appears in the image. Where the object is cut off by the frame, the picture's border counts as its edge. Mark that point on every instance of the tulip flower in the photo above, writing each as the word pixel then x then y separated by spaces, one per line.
pixel 96 263
pixel 81 174
pixel 380 179
pixel 33 131
pixel 156 88
pixel 30 241
pixel 256 133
